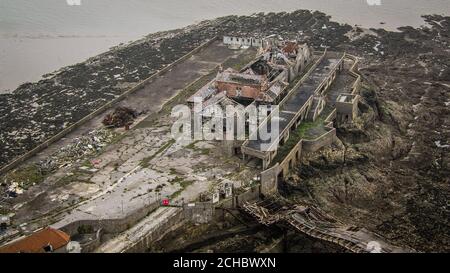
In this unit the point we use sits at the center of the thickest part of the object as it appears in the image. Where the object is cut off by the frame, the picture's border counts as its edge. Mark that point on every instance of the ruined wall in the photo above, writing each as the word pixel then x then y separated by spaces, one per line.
pixel 292 159
pixel 166 226
pixel 200 213
pixel 311 146
pixel 242 41
pixel 228 147
pixel 354 72
pixel 252 194
pixel 94 244
pixel 269 180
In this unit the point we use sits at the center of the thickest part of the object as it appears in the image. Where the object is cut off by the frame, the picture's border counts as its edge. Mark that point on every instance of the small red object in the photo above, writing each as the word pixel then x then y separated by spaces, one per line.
pixel 165 202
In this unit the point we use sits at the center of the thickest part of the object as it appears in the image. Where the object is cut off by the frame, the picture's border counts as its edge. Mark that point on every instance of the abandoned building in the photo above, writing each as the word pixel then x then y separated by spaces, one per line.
pixel 238 42
pixel 347 108
pixel 313 93
pixel 264 79
pixel 291 77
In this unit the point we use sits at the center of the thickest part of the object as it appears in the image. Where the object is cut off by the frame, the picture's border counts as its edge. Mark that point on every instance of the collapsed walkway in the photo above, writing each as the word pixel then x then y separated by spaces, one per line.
pixel 315 223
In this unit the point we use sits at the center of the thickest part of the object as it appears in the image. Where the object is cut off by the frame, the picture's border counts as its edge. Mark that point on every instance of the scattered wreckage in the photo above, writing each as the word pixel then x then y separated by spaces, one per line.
pixel 87 145
pixel 121 117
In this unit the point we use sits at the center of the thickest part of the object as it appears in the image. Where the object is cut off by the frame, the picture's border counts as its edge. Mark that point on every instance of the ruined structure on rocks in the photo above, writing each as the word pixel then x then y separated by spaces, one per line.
pixel 361 129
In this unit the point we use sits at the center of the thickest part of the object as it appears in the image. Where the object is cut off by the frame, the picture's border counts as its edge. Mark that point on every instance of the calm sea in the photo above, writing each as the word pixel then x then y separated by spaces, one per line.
pixel 40 36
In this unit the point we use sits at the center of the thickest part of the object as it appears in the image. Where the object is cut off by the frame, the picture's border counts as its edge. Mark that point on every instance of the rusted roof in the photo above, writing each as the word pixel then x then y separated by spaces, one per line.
pixel 240 78
pixel 36 242
pixel 290 47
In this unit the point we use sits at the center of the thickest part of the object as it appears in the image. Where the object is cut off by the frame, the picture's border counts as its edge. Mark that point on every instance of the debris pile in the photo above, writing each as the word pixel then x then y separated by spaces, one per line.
pixel 121 117
pixel 14 189
pixel 89 144
pixel 17 181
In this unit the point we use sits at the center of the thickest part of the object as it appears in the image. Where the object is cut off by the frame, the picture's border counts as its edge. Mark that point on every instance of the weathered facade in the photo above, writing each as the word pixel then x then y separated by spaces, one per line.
pixel 242 41
pixel 346 108
pixel 264 79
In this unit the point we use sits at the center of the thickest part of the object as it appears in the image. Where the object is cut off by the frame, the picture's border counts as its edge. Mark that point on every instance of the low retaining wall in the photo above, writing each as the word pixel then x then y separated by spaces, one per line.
pixel 16 162
pixel 293 158
pixel 269 180
pixel 356 87
pixel 311 146
pixel 252 194
pixel 111 225
pixel 92 245
pixel 157 233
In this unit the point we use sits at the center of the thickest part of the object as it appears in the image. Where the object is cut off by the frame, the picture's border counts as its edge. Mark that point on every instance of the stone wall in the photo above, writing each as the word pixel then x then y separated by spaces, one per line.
pixel 92 245
pixel 111 225
pixel 199 213
pixel 166 226
pixel 311 146
pixel 292 159
pixel 269 180
pixel 252 194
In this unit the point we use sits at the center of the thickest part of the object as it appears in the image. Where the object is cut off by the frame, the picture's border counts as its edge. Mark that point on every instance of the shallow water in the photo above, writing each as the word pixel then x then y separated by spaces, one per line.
pixel 37 37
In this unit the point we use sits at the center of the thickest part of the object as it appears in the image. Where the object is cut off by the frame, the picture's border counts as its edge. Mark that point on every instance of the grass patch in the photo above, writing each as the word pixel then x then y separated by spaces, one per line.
pixel 117 137
pixel 173 171
pixel 295 137
pixel 192 145
pixel 203 151
pixel 87 163
pixel 177 179
pixel 184 184
pixel 145 162
pixel 25 176
pixel 4 211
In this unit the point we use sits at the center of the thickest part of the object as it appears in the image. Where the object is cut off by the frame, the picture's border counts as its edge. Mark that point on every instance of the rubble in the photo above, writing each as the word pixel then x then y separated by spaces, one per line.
pixel 87 145
pixel 5 221
pixel 17 181
pixel 121 117
pixel 14 189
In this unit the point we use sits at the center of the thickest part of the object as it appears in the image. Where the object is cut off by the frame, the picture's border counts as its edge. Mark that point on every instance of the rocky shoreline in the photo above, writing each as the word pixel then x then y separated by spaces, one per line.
pixel 401 154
